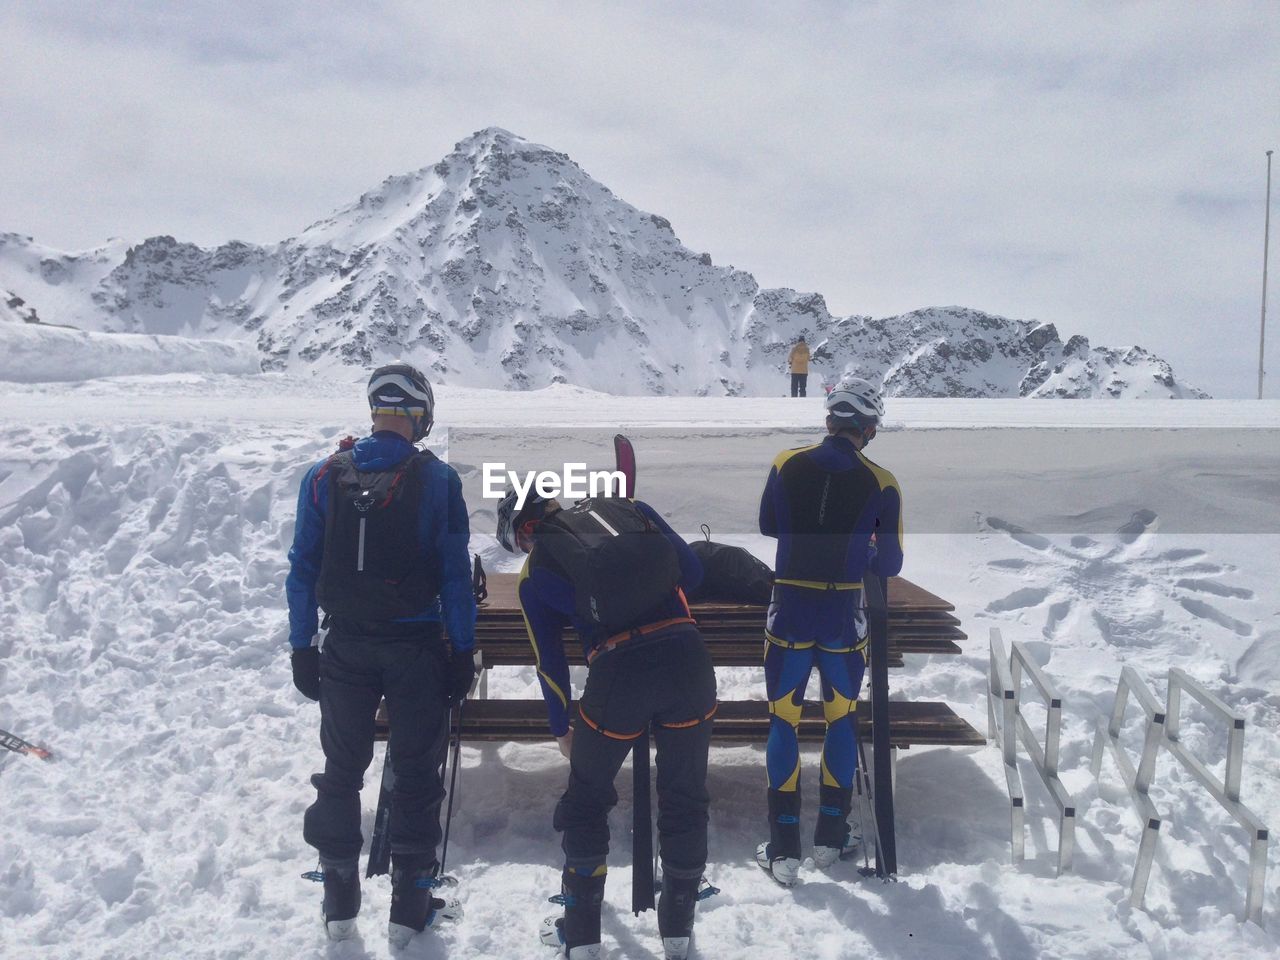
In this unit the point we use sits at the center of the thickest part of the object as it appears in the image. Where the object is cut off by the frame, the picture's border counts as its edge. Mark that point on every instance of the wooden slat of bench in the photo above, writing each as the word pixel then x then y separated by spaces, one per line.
pixel 744 650
pixel 722 655
pixel 903 596
pixel 753 616
pixel 744 628
pixel 745 721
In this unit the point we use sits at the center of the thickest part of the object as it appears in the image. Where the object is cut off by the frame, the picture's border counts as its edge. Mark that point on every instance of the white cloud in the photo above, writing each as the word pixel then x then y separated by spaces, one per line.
pixel 1098 165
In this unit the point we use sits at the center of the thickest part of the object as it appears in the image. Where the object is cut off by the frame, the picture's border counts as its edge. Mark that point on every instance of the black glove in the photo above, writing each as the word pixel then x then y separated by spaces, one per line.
pixel 306 671
pixel 458 676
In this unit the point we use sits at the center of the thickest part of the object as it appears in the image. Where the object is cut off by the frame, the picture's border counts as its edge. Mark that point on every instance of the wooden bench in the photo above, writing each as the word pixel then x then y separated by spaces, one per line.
pixel 737 721
pixel 919 622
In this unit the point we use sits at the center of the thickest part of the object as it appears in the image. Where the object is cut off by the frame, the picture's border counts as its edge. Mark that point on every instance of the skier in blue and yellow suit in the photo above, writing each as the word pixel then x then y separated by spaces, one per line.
pixel 824 504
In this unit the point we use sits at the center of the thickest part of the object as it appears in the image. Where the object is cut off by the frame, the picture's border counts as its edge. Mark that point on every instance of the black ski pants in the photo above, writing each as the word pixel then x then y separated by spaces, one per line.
pixel 356 672
pixel 799 381
pixel 665 680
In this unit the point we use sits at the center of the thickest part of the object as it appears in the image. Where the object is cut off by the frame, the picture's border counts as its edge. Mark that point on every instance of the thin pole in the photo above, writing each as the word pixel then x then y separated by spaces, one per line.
pixel 1266 243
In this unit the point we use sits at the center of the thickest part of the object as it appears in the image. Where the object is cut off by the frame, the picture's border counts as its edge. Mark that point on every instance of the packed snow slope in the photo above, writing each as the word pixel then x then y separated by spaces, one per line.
pixel 36 352
pixel 507 265
pixel 143 530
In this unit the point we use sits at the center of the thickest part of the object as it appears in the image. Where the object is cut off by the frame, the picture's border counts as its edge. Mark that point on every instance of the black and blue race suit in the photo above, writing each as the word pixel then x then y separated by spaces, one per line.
pixel 658 675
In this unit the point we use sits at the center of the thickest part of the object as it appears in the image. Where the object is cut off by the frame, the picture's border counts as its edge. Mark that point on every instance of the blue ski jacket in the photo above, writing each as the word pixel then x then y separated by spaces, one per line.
pixel 443 532
pixel 549 603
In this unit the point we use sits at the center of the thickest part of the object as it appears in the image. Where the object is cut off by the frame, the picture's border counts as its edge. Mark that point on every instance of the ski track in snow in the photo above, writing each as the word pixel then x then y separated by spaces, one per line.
pixel 142 637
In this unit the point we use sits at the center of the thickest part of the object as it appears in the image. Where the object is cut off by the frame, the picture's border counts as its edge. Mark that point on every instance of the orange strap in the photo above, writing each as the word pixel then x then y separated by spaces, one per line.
pixel 682 725
pixel 620 638
pixel 691 723
pixel 608 733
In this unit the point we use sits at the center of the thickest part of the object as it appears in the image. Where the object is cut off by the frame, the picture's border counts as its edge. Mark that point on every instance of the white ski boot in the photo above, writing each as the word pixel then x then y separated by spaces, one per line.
pixel 785 870
pixel 341 899
pixel 824 857
pixel 833 837
pixel 442 910
pixel 552 935
pixel 340 929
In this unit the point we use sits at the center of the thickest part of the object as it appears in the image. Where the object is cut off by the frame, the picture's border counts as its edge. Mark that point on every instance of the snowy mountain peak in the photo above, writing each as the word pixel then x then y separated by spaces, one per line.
pixel 505 264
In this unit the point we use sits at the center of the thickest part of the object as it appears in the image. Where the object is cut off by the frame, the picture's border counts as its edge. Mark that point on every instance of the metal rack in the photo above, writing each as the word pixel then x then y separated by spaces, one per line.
pixel 1004 683
pixel 1163 727
pixel 1137 780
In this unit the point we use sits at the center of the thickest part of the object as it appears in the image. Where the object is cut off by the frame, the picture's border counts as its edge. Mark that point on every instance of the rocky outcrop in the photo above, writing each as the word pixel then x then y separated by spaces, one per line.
pixel 505 264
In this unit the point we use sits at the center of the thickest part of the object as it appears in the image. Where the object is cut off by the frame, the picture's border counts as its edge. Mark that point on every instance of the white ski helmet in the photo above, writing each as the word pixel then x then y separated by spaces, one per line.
pixel 856 401
pixel 399 389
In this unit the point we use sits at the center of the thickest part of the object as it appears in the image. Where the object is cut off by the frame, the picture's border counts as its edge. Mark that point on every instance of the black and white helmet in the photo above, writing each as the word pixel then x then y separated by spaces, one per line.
pixel 856 401
pixel 510 517
pixel 399 389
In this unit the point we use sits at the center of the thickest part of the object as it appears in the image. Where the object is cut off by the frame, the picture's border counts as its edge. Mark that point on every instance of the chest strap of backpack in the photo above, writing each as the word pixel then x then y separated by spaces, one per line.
pixel 620 638
pixel 819 584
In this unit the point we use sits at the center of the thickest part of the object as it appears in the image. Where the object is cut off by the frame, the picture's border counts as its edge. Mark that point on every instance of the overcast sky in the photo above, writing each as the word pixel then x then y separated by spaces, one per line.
pixel 1098 165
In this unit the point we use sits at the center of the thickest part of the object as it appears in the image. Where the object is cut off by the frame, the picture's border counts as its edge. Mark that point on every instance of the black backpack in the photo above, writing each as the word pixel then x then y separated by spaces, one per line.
pixel 373 566
pixel 622 567
pixel 730 574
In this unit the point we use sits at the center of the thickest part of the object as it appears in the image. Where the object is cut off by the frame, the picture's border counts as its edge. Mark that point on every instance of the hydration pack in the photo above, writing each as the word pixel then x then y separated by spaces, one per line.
pixel 374 566
pixel 622 567
pixel 730 574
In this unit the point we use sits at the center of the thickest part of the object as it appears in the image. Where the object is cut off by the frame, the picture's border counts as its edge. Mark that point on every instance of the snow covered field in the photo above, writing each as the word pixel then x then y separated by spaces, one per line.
pixel 35 353
pixel 143 530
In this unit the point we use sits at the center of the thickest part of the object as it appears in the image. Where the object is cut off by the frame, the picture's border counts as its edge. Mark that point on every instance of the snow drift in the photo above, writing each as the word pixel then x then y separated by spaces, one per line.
pixel 33 352
pixel 142 637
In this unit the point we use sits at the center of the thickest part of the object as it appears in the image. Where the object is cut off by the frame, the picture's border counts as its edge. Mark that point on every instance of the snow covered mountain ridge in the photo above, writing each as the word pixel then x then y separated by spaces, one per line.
pixel 506 265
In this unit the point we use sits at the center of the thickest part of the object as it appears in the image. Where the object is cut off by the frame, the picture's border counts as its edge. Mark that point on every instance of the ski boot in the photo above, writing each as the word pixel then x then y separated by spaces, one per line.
pixel 413 906
pixel 780 857
pixel 341 898
pixel 675 913
pixel 577 933
pixel 832 837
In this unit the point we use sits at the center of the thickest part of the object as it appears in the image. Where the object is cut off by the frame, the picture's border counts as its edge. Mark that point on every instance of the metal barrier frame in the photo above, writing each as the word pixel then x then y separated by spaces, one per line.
pixel 1004 683
pixel 1227 790
pixel 1003 724
pixel 1046 758
pixel 1138 781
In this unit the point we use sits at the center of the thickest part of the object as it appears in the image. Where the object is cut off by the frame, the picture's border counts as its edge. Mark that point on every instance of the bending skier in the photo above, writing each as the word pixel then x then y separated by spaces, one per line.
pixel 381 545
pixel 823 503
pixel 613 569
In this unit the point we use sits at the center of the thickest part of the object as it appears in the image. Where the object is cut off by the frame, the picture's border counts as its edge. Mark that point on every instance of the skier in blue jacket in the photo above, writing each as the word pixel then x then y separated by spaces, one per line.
pixel 824 504
pixel 381 544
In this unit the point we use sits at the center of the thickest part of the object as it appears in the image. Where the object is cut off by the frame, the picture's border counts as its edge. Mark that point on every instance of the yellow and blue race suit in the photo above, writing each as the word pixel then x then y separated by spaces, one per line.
pixel 824 503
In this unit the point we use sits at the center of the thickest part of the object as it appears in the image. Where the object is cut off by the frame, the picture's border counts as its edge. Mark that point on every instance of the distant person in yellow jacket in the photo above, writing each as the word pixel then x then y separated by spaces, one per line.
pixel 799 363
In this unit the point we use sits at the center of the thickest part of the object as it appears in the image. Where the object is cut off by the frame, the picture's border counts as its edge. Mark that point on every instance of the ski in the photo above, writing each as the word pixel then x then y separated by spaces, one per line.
pixel 642 870
pixel 882 761
pixel 18 745
pixel 380 846
pixel 624 456
pixel 453 789
pixel 643 881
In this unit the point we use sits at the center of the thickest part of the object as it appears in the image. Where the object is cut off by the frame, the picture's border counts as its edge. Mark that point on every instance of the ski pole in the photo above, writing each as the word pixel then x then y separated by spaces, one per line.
pixel 18 745
pixel 453 784
pixel 867 808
